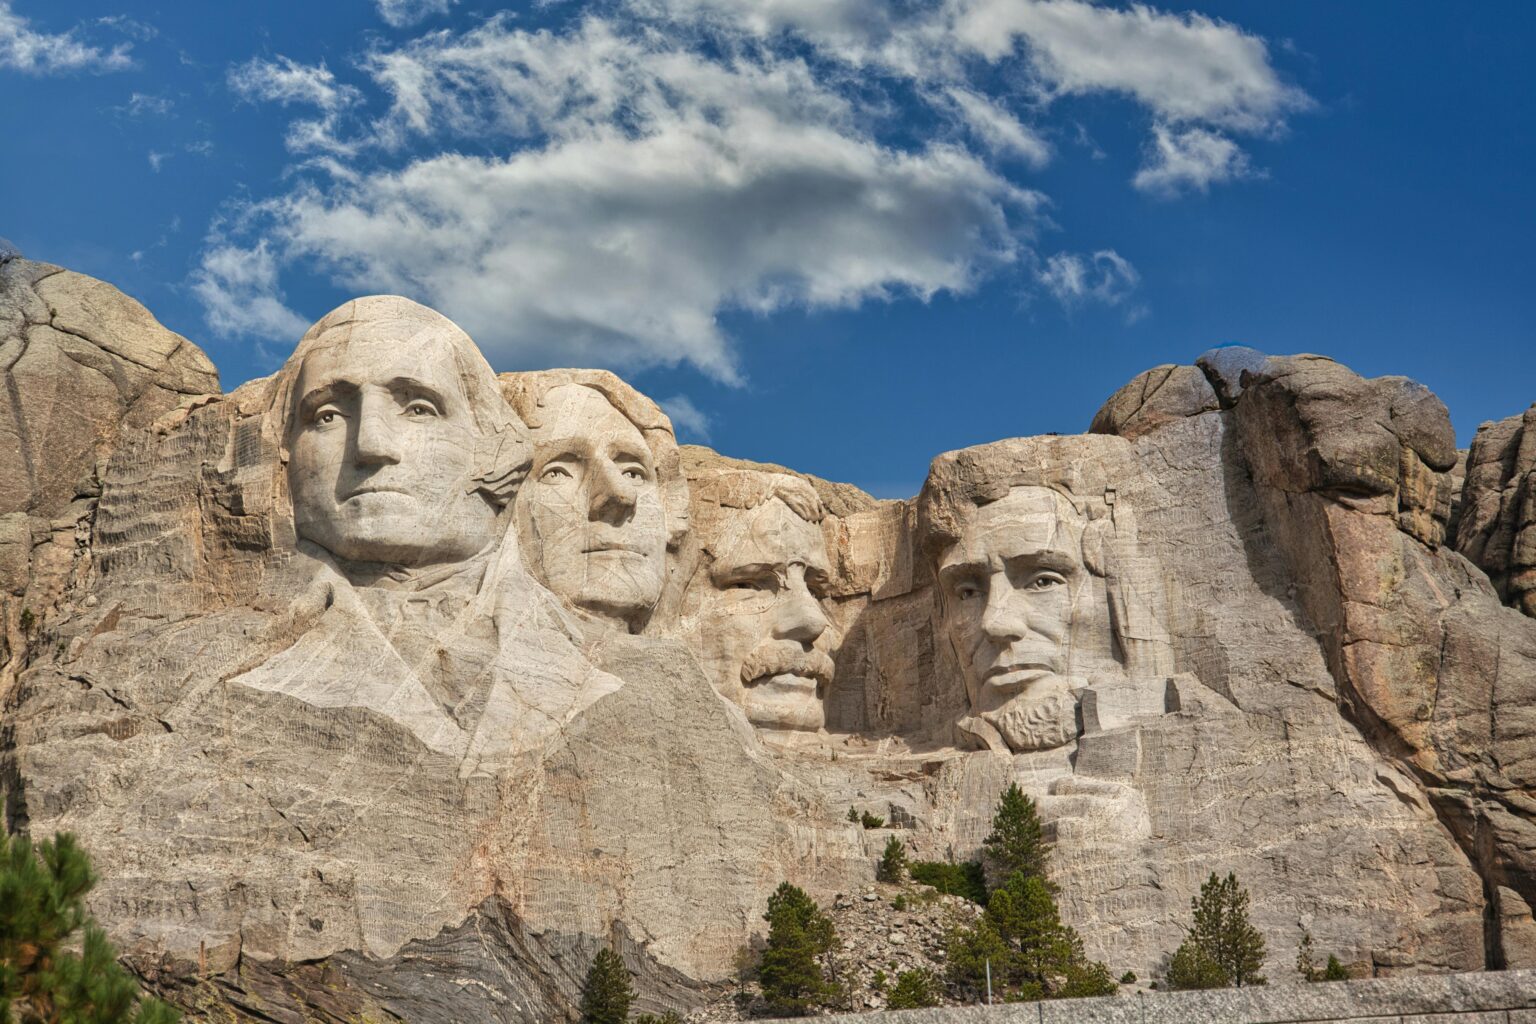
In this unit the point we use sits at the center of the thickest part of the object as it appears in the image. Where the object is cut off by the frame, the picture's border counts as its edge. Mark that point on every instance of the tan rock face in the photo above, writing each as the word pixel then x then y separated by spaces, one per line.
pixel 386 685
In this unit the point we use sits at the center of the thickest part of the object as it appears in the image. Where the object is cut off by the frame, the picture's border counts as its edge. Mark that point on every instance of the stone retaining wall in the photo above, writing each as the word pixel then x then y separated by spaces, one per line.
pixel 1507 997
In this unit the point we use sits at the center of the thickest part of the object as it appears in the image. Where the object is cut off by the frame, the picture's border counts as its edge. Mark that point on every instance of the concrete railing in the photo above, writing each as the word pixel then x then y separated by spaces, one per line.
pixel 1502 997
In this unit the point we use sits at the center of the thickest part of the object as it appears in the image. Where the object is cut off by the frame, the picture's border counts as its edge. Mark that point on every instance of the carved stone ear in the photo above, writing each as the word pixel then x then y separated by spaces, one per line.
pixel 501 463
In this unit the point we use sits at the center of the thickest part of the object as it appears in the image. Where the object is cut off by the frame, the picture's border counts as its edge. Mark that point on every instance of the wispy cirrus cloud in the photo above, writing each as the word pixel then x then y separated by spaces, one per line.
pixel 24 48
pixel 604 190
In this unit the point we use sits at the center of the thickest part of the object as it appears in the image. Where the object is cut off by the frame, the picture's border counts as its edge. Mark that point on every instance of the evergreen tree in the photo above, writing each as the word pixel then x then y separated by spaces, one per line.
pixel 914 990
pixel 893 863
pixel 1025 915
pixel 967 952
pixel 1016 842
pixel 42 906
pixel 1335 970
pixel 1223 948
pixel 606 996
pixel 798 933
pixel 1306 961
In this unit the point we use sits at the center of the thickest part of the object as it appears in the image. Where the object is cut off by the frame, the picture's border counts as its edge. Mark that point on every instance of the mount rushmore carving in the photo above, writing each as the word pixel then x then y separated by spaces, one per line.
pixel 391 682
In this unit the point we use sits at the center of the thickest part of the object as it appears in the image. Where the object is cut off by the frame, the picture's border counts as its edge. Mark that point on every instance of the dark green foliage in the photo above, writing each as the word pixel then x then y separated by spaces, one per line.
pixel 872 820
pixel 1016 842
pixel 42 907
pixel 798 933
pixel 853 815
pixel 967 880
pixel 1190 968
pixel 914 990
pixel 28 620
pixel 1128 978
pixel 893 862
pixel 1084 978
pixel 900 902
pixel 670 1017
pixel 1223 948
pixel 877 982
pixel 606 996
pixel 1033 955
pixel 1335 970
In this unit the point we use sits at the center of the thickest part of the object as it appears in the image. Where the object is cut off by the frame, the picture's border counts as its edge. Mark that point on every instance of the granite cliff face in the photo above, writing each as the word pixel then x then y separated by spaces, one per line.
pixel 390 686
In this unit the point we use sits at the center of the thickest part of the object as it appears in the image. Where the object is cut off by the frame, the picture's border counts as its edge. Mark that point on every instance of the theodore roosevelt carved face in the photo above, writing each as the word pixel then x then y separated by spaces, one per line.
pixel 1009 590
pixel 389 412
pixel 761 630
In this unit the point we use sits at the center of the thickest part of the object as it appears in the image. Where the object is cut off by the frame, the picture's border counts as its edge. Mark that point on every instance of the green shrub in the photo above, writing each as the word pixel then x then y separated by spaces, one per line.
pixel 669 1017
pixel 872 820
pixel 1335 970
pixel 1128 978
pixel 967 880
pixel 900 902
pixel 914 990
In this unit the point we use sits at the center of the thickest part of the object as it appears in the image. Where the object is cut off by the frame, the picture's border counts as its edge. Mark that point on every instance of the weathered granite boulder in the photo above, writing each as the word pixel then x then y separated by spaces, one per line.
pixel 1497 530
pixel 389 687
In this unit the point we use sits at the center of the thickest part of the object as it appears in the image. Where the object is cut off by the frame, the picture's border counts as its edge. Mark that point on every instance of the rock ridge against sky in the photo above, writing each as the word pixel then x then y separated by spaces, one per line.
pixel 389 684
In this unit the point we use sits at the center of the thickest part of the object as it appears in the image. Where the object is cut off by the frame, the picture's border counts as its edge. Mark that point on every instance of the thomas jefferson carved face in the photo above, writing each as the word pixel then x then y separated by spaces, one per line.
pixel 1009 589
pixel 382 447
pixel 591 515
pixel 763 634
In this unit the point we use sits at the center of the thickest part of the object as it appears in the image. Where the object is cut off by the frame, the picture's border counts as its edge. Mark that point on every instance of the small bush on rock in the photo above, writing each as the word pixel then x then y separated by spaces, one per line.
pixel 914 990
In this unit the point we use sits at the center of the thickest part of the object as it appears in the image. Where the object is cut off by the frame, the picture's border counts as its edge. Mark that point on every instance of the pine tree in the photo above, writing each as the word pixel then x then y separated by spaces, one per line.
pixel 1335 970
pixel 1025 915
pixel 1223 948
pixel 606 996
pixel 42 906
pixel 798 933
pixel 893 863
pixel 1306 961
pixel 1016 842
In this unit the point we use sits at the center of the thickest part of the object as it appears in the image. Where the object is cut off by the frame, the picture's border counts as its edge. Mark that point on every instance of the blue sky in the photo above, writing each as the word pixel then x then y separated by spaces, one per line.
pixel 843 235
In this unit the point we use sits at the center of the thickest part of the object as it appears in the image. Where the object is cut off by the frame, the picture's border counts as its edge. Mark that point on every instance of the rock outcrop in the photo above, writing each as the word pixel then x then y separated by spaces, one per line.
pixel 388 686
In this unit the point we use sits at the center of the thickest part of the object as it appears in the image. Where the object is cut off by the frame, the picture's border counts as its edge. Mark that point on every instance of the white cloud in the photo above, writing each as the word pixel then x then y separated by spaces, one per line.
pixel 286 81
pixel 1073 278
pixel 239 291
pixel 24 49
pixel 1183 67
pixel 690 422
pixel 662 188
pixel 404 13
pixel 156 159
pixel 603 190
pixel 1180 160
pixel 999 130
pixel 140 104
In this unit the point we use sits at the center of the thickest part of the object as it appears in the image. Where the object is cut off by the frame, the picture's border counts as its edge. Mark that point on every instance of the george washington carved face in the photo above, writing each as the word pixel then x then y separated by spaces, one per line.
pixel 384 439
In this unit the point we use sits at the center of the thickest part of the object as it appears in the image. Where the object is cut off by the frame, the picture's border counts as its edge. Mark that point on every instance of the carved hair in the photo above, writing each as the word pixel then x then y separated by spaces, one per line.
pixel 505 452
pixel 748 489
pixel 527 393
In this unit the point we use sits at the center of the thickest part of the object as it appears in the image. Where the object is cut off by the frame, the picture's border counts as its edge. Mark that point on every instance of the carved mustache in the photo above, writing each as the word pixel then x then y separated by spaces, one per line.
pixel 786 657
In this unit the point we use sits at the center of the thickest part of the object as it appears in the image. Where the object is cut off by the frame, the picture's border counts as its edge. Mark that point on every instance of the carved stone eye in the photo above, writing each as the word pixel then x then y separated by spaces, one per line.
pixel 553 473
pixel 421 409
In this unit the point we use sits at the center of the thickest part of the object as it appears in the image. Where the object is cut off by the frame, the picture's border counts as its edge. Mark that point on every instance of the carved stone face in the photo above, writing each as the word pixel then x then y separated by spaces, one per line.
pixel 382 445
pixel 764 637
pixel 1010 587
pixel 590 516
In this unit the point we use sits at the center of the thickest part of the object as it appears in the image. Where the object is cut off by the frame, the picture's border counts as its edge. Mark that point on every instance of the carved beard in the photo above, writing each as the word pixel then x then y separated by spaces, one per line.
pixel 1038 724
